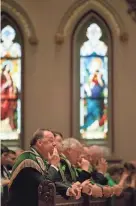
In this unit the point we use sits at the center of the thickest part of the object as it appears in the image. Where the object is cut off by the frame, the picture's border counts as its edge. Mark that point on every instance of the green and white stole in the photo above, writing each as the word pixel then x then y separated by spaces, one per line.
pixel 31 159
pixel 72 169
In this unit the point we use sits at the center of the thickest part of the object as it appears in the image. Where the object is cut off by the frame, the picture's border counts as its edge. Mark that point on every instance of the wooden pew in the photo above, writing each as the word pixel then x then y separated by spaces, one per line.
pixel 98 201
pixel 47 197
pixel 60 201
pixel 84 201
pixel 46 194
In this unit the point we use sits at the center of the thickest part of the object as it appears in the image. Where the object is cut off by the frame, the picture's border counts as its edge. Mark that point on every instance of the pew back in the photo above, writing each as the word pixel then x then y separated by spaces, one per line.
pixel 47 197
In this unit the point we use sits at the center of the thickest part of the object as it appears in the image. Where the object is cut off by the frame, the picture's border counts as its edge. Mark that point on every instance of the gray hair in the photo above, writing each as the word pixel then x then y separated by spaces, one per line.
pixel 96 150
pixel 39 134
pixel 71 143
pixel 100 150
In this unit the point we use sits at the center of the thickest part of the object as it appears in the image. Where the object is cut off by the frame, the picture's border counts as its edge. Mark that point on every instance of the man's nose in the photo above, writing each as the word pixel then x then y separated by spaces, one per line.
pixel 54 144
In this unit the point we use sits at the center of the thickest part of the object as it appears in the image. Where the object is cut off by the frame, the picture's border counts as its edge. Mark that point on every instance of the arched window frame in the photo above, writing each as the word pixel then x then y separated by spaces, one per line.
pixel 26 26
pixel 75 86
pixel 5 17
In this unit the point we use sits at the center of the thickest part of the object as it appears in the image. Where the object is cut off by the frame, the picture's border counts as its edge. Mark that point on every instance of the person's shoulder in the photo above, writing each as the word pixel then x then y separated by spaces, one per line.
pixel 24 155
pixel 27 155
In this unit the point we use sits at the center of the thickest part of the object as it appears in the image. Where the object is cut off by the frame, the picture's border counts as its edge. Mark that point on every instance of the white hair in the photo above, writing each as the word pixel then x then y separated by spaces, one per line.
pixel 96 150
pixel 100 150
pixel 71 143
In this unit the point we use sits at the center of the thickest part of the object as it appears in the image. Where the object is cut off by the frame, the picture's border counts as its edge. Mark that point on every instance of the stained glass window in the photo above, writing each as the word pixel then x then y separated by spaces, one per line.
pixel 10 88
pixel 94 85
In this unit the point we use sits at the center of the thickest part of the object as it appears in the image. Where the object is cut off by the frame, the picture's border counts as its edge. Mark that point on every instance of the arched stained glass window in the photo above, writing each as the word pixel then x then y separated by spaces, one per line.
pixel 11 79
pixel 92 48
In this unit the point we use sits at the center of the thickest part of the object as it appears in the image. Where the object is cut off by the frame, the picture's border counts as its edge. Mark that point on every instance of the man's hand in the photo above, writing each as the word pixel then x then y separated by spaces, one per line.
pixel 54 159
pixel 107 191
pixel 125 175
pixel 123 178
pixel 86 187
pixel 77 185
pixel 74 192
pixel 102 166
pixel 84 164
pixel 117 190
pixel 96 191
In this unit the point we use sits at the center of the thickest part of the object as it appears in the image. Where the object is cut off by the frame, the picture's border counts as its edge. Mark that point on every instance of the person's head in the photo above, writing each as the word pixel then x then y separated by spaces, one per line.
pixel 85 152
pixel 4 154
pixel 72 148
pixel 44 142
pixel 133 162
pixel 96 153
pixel 129 167
pixel 95 65
pixel 115 171
pixel 58 140
pixel 11 157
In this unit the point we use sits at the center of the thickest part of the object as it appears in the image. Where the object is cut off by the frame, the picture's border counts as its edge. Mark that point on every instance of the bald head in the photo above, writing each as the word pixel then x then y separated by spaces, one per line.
pixel 71 143
pixel 96 153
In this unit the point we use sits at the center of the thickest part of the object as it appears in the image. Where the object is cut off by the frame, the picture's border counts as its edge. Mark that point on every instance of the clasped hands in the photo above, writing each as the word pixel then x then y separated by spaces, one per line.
pixel 85 187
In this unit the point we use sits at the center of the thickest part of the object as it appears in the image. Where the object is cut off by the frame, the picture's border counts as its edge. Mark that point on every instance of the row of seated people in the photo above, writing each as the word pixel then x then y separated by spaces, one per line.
pixel 76 170
pixel 8 158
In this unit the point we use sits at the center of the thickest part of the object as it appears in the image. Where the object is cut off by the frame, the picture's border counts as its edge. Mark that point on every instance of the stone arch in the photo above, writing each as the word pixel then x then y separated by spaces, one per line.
pixel 80 8
pixel 21 17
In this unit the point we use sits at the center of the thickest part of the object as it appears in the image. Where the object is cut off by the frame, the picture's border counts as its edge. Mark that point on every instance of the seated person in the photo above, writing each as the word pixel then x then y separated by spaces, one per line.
pixel 99 170
pixel 70 150
pixel 113 174
pixel 11 160
pixel 130 169
pixel 32 167
pixel 5 175
pixel 99 165
pixel 4 161
pixel 73 180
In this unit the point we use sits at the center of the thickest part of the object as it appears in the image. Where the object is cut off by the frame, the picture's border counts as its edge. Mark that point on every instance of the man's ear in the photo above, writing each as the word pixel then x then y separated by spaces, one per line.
pixel 39 142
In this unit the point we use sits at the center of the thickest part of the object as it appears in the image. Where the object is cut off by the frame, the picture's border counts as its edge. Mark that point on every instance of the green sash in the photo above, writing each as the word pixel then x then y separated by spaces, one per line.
pixel 111 182
pixel 61 170
pixel 31 159
pixel 72 169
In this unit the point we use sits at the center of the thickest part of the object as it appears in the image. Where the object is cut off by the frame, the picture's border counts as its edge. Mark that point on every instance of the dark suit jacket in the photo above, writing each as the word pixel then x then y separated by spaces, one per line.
pixel 80 175
pixel 83 175
pixel 24 189
pixel 99 178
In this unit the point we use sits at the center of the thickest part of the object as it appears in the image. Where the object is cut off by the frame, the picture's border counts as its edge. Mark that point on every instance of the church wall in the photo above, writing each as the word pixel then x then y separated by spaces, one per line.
pixel 48 76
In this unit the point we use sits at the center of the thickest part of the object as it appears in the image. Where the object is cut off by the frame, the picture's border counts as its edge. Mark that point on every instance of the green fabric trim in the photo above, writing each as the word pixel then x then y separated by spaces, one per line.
pixel 62 172
pixel 28 159
pixel 22 157
pixel 32 155
pixel 111 182
pixel 73 172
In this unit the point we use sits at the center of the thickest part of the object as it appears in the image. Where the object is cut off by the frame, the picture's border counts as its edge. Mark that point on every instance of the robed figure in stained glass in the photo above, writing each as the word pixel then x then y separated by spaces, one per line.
pixel 10 87
pixel 93 85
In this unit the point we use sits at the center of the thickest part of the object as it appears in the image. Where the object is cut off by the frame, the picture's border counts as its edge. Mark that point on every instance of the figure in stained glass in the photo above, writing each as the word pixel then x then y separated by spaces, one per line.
pixel 10 87
pixel 93 85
